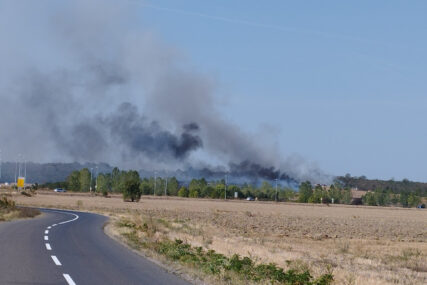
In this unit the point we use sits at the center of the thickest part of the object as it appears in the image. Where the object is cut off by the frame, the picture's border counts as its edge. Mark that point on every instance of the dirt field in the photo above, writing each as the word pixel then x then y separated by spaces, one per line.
pixel 361 245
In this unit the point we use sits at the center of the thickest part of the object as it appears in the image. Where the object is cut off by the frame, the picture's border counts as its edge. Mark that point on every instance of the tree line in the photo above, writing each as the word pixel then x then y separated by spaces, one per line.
pixel 132 186
pixel 119 181
pixel 335 193
pixel 391 186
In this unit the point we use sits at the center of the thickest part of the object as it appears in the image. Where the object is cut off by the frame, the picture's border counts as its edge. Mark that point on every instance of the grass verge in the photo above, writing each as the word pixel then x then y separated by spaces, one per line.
pixel 228 270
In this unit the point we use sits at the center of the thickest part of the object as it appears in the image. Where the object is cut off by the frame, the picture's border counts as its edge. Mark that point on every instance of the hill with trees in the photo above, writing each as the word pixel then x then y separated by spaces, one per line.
pixel 392 186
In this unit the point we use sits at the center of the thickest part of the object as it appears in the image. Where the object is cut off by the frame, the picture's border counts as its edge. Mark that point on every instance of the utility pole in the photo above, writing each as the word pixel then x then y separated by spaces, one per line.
pixel 166 186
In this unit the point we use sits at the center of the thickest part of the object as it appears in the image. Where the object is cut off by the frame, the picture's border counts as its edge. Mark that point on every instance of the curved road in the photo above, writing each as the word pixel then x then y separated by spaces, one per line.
pixel 66 247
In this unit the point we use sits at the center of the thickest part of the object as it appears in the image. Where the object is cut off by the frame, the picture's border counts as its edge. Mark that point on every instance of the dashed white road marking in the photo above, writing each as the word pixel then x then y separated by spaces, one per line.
pixel 68 279
pixel 56 260
pixel 48 247
pixel 72 220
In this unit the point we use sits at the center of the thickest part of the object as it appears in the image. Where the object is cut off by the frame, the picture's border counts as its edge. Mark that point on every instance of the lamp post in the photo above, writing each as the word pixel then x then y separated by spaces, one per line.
pixel 96 178
pixel 90 183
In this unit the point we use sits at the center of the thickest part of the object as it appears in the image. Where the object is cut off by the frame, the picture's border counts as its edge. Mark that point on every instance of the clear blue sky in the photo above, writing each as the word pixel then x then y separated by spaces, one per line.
pixel 343 82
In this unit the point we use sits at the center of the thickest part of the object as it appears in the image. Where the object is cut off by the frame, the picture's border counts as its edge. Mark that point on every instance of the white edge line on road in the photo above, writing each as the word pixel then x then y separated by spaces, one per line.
pixel 46 238
pixel 49 227
pixel 46 232
pixel 48 247
pixel 54 225
pixel 68 279
pixel 56 260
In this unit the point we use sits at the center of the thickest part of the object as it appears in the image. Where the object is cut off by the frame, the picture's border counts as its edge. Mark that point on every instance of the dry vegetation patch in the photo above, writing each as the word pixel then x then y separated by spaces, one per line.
pixel 360 245
pixel 9 211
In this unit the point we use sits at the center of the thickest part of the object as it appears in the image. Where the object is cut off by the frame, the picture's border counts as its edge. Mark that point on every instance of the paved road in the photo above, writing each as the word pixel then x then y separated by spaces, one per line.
pixel 64 247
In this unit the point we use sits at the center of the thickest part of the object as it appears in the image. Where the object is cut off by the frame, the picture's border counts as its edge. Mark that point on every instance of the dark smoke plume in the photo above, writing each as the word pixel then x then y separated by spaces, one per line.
pixel 67 74
pixel 148 138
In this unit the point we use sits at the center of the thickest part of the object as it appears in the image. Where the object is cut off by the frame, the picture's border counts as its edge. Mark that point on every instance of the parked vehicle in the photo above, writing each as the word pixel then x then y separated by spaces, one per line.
pixel 250 199
pixel 421 206
pixel 60 190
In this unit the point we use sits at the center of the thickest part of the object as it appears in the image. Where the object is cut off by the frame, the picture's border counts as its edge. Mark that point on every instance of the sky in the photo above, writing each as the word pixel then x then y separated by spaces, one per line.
pixel 311 88
pixel 340 83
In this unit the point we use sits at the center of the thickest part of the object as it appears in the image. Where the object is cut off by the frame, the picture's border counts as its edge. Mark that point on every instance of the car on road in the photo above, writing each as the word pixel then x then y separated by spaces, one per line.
pixel 60 190
pixel 250 199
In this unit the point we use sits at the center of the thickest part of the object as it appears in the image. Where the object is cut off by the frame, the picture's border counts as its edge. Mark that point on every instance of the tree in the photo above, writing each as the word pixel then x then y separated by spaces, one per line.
pixel 220 189
pixel 319 195
pixel 194 187
pixel 413 200
pixel 115 179
pixel 131 186
pixel 73 181
pixel 84 179
pixel 286 194
pixel 369 199
pixel 183 192
pixel 173 186
pixel 103 183
pixel 235 189
pixel 193 193
pixel 346 196
pixel 305 192
pixel 145 187
pixel 404 199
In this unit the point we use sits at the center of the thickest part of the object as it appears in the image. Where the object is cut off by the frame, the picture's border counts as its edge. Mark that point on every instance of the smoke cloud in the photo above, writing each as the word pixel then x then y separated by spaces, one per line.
pixel 83 81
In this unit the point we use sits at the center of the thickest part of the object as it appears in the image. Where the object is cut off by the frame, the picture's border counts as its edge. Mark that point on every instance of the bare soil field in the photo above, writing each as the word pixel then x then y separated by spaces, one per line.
pixel 360 245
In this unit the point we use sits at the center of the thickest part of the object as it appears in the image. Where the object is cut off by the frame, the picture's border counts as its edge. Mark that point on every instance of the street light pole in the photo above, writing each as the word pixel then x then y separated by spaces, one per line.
pixel 166 186
pixel 96 178
pixel 90 183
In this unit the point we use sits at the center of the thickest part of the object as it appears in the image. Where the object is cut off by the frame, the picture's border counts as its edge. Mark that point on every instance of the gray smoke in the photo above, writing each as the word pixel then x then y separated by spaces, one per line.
pixel 148 138
pixel 82 81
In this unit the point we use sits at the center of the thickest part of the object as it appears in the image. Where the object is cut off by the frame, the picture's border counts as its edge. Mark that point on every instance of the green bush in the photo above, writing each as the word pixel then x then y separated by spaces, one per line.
pixel 214 263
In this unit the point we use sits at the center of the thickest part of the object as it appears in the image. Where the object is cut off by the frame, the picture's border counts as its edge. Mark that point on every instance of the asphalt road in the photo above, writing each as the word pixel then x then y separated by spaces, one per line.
pixel 65 247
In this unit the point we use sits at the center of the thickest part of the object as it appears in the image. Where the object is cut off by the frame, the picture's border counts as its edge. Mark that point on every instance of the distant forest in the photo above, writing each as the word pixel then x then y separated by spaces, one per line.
pixel 396 187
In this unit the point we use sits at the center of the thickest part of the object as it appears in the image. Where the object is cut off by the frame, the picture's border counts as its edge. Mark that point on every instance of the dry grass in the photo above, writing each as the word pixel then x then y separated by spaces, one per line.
pixel 9 211
pixel 361 245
